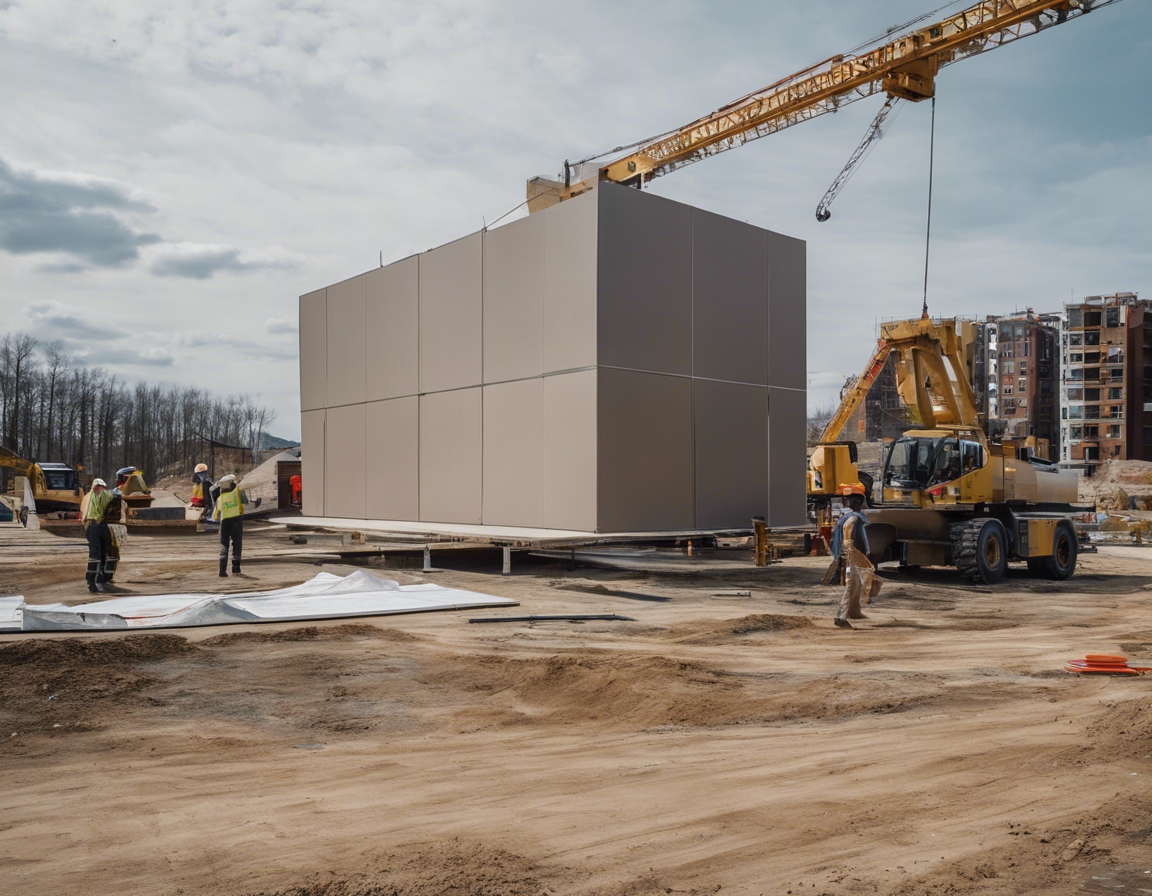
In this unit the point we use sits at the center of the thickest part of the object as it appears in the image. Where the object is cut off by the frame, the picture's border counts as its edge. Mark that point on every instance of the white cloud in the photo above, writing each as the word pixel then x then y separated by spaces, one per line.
pixel 201 261
pixel 278 326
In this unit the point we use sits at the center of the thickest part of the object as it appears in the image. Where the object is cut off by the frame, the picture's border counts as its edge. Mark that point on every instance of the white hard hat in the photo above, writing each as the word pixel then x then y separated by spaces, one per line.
pixel 96 482
pixel 201 468
pixel 231 477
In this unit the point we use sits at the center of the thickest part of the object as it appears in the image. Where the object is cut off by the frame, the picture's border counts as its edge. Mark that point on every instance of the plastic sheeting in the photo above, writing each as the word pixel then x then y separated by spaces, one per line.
pixel 327 596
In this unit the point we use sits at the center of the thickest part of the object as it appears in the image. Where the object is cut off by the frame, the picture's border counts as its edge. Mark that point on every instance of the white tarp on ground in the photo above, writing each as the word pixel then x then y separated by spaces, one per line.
pixel 327 596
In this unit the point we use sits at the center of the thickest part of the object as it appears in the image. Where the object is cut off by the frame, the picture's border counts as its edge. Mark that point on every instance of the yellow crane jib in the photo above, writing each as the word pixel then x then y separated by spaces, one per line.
pixel 905 67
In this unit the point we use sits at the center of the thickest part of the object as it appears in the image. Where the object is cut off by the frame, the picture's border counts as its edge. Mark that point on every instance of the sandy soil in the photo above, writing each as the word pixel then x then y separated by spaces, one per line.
pixel 732 745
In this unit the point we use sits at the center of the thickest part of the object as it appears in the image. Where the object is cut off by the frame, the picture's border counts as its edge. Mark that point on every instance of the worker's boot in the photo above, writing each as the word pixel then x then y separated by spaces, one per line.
pixel 91 573
pixel 840 622
pixel 223 567
pixel 100 587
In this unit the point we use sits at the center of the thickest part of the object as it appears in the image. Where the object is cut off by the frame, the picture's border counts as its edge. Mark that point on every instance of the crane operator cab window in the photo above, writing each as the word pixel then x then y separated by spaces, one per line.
pixel 915 463
pixel 972 456
pixel 947 462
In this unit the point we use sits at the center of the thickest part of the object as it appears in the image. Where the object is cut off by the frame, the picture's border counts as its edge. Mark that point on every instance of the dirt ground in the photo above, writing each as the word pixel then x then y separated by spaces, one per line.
pixel 708 745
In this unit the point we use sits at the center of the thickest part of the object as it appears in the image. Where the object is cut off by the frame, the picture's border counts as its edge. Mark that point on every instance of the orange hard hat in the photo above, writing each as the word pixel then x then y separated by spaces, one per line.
pixel 855 489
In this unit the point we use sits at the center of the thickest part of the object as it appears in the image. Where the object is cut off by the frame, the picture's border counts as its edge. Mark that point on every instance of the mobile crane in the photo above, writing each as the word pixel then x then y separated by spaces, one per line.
pixel 948 496
pixel 902 68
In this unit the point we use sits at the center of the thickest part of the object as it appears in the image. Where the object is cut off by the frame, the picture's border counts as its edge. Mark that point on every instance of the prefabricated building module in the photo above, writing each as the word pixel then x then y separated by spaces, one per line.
pixel 616 363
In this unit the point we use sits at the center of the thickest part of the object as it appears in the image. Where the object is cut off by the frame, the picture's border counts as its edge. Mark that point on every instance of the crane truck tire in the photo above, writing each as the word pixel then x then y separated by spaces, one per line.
pixel 980 550
pixel 1062 563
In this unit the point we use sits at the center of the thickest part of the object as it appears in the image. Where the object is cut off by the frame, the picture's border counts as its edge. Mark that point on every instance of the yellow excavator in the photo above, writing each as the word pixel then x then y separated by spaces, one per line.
pixel 54 486
pixel 948 496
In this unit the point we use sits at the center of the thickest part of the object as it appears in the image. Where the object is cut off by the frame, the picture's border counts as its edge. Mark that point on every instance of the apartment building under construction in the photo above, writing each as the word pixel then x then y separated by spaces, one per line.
pixel 1106 380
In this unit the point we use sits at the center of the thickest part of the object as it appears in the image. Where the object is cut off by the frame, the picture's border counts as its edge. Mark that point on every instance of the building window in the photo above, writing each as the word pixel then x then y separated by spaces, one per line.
pixel 1116 393
pixel 1077 432
pixel 1008 367
pixel 1005 332
pixel 1027 348
pixel 1076 373
pixel 1114 431
pixel 1009 406
pixel 1113 317
pixel 1115 355
pixel 1045 386
pixel 1091 318
pixel 1116 412
pixel 1007 390
pixel 1076 394
pixel 1091 373
pixel 1091 412
pixel 1019 331
pixel 1117 373
pixel 1022 402
pixel 1091 432
pixel 1091 394
pixel 1091 337
pixel 1091 357
pixel 1023 366
pixel 1022 384
pixel 1076 317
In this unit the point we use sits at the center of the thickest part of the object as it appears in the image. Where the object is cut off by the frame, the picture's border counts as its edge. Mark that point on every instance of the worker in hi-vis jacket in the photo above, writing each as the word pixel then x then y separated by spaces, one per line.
pixel 229 510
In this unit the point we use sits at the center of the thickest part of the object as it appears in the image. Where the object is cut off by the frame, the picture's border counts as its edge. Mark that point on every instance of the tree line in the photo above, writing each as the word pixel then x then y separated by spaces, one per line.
pixel 53 408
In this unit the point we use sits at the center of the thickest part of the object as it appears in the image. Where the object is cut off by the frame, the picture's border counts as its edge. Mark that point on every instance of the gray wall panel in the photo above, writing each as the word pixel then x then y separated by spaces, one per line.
pixel 787 440
pixel 451 315
pixel 645 452
pixel 514 454
pixel 570 439
pixel 570 283
pixel 730 299
pixel 313 350
pixel 644 307
pixel 347 375
pixel 514 300
pixel 731 431
pixel 392 330
pixel 312 462
pixel 787 311
pixel 392 452
pixel 345 465
pixel 450 456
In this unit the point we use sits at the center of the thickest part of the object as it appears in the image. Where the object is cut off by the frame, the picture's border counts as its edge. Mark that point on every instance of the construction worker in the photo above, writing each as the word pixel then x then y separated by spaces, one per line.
pixel 202 488
pixel 229 511
pixel 98 535
pixel 850 548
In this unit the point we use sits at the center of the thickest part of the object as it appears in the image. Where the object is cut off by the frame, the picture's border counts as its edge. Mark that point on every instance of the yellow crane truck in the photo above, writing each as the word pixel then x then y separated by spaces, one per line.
pixel 948 496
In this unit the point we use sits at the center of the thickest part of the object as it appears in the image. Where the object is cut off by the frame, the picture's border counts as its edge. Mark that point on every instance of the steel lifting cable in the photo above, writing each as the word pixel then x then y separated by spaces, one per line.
pixel 928 229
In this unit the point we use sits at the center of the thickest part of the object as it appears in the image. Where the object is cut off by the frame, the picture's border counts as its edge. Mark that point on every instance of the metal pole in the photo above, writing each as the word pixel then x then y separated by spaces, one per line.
pixel 427 559
pixel 507 561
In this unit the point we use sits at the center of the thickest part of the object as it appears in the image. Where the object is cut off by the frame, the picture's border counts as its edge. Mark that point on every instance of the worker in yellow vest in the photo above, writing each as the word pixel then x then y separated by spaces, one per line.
pixel 98 534
pixel 229 510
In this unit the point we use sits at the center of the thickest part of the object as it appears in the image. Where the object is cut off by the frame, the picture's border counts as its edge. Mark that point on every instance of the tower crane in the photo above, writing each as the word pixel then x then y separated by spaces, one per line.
pixel 905 67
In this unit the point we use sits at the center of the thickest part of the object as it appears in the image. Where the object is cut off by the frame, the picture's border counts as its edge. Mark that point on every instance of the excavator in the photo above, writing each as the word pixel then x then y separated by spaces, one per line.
pixel 948 496
pixel 54 486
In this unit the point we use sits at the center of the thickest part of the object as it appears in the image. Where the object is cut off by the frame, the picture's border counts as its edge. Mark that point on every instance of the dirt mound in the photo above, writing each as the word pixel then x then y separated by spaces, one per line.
pixel 345 632
pixel 731 630
pixel 68 683
pixel 646 692
pixel 56 654
pixel 1124 732
pixel 452 868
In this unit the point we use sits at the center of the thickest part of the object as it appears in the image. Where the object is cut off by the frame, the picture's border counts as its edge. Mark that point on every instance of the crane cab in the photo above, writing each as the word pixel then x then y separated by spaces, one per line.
pixel 929 468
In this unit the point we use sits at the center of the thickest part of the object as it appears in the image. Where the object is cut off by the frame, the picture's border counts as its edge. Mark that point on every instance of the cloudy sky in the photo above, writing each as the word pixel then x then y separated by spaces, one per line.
pixel 173 175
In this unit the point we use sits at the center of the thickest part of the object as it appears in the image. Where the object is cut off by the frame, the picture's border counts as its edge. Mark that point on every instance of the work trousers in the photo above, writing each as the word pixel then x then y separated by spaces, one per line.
pixel 231 530
pixel 99 553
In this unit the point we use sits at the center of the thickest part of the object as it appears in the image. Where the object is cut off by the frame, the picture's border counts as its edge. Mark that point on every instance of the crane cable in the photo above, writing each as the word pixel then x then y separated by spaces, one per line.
pixel 928 230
